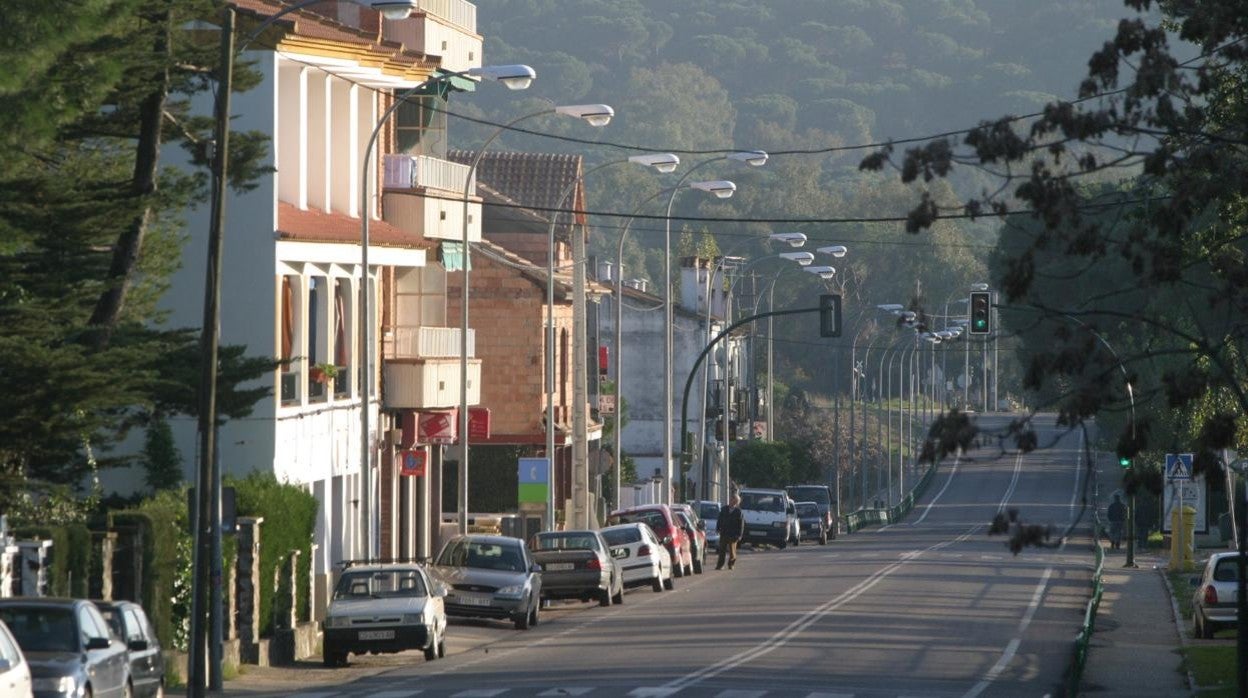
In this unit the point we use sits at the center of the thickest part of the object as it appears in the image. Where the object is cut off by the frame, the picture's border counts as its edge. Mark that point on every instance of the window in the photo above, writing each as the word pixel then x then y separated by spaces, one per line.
pixel 42 629
pixel 286 340
pixel 92 625
pixel 134 628
pixel 420 125
pixel 8 651
pixel 342 335
pixel 317 338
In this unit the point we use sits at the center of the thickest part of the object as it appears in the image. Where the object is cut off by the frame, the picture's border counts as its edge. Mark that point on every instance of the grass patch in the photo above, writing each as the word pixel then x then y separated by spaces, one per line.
pixel 1181 585
pixel 1214 668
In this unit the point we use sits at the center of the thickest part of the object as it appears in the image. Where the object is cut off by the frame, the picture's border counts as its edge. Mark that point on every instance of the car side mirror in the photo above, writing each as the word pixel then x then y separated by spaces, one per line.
pixel 536 568
pixel 98 643
pixel 137 645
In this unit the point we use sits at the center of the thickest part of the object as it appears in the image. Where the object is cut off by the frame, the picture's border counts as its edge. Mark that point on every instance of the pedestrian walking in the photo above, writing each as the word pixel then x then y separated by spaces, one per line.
pixel 731 527
pixel 1116 514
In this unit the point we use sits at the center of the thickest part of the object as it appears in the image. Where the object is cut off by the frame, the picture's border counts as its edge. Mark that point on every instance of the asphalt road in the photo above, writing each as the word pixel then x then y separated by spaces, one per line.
pixel 931 606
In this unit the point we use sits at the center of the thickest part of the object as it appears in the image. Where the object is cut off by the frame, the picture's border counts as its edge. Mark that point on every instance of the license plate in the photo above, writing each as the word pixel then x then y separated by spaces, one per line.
pixel 376 634
pixel 474 600
pixel 560 566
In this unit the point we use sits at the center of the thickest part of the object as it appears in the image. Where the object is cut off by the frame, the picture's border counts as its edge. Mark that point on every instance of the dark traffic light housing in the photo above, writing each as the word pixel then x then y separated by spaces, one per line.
pixel 829 315
pixel 981 312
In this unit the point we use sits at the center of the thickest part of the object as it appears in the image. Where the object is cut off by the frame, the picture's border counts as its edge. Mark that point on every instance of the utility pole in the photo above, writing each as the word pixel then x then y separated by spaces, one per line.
pixel 580 385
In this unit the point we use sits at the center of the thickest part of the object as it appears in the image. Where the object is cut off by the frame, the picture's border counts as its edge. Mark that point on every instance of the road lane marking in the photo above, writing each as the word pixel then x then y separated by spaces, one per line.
pixel 567 691
pixel 829 695
pixel 393 694
pixel 740 693
pixel 783 636
pixel 479 693
pixel 953 471
pixel 652 692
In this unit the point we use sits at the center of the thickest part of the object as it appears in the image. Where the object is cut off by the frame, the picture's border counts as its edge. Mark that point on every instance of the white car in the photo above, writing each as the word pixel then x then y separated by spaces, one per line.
pixel 769 517
pixel 640 555
pixel 14 671
pixel 384 608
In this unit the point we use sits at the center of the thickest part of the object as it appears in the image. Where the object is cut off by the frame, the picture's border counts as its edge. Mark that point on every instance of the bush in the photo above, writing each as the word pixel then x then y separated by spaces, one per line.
pixel 164 524
pixel 289 514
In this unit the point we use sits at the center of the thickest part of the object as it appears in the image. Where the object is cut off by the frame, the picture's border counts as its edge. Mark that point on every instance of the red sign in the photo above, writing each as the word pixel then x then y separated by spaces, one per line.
pixel 412 462
pixel 604 358
pixel 478 423
pixel 436 427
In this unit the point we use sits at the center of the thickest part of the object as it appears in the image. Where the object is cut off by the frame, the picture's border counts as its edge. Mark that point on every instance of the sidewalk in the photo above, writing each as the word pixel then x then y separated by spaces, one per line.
pixel 1134 648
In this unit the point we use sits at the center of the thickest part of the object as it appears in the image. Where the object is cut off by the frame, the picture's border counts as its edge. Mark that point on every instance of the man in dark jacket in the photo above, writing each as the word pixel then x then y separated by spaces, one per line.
pixel 731 527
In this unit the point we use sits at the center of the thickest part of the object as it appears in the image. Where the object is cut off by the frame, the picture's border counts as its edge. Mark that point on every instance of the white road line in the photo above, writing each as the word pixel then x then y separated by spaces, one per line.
pixel 652 692
pixel 953 471
pixel 740 693
pixel 479 693
pixel 567 691
pixel 393 694
pixel 829 695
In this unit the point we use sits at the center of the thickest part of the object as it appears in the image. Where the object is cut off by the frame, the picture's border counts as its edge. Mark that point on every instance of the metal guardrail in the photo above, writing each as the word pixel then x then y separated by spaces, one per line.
pixel 1083 638
pixel 856 520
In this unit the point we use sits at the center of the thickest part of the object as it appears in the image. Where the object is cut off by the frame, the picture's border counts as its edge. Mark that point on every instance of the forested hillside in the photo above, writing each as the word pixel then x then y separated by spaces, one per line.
pixel 806 80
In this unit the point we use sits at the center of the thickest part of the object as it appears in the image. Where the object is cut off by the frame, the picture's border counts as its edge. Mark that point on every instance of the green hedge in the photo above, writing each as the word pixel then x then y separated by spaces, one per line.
pixel 289 514
pixel 163 522
pixel 69 567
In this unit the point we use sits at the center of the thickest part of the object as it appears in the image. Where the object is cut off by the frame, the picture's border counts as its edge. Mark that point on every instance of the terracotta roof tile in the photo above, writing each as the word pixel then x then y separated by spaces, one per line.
pixel 317 226
pixel 529 179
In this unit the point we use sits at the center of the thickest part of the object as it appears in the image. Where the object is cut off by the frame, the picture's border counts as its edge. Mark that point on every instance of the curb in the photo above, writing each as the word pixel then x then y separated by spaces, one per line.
pixel 1177 616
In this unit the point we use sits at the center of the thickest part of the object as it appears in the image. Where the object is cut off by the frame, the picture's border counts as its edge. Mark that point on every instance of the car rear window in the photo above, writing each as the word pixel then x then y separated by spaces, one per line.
pixel 564 541
pixel 1226 571
pixel 621 536
pixel 807 510
pixel 465 552
pixel 811 493
pixel 653 519
pixel 708 511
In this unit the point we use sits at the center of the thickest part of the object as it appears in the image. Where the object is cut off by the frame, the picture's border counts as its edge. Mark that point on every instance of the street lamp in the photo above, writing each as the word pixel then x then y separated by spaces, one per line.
pixel 721 189
pixel 661 162
pixel 514 77
pixel 207 516
pixel 594 115
pixel 837 251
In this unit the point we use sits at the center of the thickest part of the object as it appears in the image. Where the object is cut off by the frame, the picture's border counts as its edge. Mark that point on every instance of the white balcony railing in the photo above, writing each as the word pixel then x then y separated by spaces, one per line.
pixel 457 12
pixel 430 342
pixel 412 171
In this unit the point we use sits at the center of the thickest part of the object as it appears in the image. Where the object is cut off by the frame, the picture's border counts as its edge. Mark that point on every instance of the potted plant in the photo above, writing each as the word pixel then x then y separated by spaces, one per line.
pixel 323 373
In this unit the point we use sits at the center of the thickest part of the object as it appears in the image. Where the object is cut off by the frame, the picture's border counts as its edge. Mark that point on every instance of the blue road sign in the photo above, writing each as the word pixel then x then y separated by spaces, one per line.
pixel 1178 466
pixel 534 471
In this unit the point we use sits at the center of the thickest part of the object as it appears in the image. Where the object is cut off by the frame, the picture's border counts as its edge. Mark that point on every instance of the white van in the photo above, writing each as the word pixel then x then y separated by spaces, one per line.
pixel 768 516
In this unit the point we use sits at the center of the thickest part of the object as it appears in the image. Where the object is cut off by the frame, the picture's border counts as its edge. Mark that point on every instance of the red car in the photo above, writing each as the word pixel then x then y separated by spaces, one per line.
pixel 688 519
pixel 667 527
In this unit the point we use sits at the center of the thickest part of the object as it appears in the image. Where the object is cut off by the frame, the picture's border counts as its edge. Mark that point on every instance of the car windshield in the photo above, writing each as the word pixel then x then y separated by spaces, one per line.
pixel 805 510
pixel 760 501
pixel 565 541
pixel 377 584
pixel 811 493
pixel 709 511
pixel 482 555
pixel 42 629
pixel 621 536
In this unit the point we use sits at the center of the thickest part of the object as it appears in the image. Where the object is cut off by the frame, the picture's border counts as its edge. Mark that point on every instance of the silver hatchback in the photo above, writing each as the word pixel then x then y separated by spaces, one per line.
pixel 1213 602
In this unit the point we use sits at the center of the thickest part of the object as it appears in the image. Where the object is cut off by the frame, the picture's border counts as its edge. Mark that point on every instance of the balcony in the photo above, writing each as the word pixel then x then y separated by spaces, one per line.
pixel 420 368
pixel 443 28
pixel 424 195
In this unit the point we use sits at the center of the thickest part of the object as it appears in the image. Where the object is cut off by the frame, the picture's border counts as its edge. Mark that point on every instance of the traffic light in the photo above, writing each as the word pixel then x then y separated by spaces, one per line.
pixel 829 315
pixel 1124 462
pixel 981 312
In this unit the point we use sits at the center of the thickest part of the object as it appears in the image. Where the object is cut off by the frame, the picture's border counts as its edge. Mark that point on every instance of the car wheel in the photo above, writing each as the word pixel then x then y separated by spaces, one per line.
pixel 783 544
pixel 604 597
pixel 431 652
pixel 534 615
pixel 698 563
pixel 522 621
pixel 668 583
pixel 331 657
pixel 442 646
pixel 657 583
pixel 678 569
pixel 619 595
pixel 1203 630
pixel 823 538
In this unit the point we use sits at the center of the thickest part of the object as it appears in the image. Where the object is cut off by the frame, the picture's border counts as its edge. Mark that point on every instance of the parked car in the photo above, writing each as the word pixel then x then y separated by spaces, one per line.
pixel 660 520
pixel 147 664
pixel 693 527
pixel 708 512
pixel 1213 602
pixel 14 671
pixel 577 564
pixel 70 650
pixel 390 607
pixel 768 515
pixel 640 555
pixel 812 525
pixel 821 495
pixel 490 577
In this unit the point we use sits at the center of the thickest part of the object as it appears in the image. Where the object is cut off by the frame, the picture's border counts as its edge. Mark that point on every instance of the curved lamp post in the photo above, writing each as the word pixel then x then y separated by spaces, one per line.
pixel 710 186
pixel 514 77
pixel 594 115
pixel 721 189
pixel 661 162
pixel 207 523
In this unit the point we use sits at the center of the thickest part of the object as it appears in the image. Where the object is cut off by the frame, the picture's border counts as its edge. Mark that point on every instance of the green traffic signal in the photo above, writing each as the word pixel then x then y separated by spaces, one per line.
pixel 1124 462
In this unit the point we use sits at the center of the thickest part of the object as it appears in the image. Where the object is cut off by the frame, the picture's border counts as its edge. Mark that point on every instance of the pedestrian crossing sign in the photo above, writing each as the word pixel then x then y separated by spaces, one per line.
pixel 1178 467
